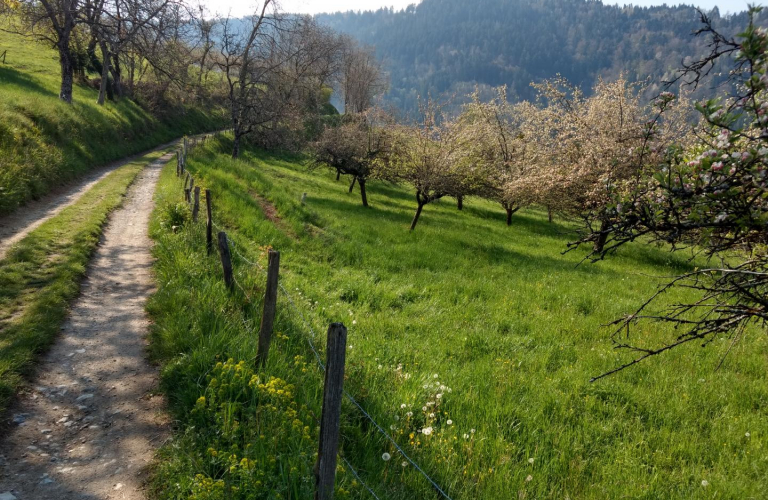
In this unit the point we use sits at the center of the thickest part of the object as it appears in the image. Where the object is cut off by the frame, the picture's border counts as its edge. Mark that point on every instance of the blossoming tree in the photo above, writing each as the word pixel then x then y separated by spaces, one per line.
pixel 357 147
pixel 710 197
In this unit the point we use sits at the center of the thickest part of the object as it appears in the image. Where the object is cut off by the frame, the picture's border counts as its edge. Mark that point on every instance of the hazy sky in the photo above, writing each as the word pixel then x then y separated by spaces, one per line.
pixel 242 7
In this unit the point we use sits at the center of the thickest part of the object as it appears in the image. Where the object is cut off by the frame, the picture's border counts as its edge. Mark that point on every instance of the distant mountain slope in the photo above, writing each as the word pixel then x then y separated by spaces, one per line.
pixel 449 45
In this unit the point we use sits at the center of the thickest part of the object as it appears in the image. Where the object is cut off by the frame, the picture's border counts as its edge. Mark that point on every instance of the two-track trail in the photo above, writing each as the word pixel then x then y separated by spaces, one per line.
pixel 15 226
pixel 90 423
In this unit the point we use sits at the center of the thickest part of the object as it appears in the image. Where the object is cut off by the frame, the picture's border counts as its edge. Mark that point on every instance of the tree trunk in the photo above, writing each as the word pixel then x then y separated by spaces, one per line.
pixel 352 185
pixel 67 70
pixel 601 238
pixel 362 192
pixel 416 217
pixel 104 73
pixel 510 209
pixel 460 202
pixel 338 174
pixel 236 145
pixel 117 75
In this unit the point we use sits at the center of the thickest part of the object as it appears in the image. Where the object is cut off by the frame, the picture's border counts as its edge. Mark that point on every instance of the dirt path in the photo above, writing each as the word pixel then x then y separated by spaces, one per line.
pixel 89 426
pixel 15 226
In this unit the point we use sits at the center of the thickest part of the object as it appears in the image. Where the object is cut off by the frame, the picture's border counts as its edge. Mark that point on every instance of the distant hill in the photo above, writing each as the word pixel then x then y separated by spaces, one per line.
pixel 451 45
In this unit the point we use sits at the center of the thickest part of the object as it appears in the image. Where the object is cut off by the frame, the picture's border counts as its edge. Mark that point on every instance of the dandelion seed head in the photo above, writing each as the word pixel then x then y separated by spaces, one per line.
pixel 386 456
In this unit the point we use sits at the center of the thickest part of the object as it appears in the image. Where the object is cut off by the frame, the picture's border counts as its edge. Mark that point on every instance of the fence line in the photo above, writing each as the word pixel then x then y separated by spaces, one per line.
pixel 320 363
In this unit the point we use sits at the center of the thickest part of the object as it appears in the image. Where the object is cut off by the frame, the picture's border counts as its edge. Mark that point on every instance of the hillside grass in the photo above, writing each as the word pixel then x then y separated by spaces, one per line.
pixel 45 142
pixel 494 319
pixel 41 275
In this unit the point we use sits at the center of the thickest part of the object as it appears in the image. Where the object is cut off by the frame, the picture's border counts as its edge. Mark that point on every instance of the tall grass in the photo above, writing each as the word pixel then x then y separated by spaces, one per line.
pixel 45 142
pixel 494 319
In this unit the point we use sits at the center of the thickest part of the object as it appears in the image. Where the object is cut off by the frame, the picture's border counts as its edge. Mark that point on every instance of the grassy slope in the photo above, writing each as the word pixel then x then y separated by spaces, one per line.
pixel 44 142
pixel 41 274
pixel 497 314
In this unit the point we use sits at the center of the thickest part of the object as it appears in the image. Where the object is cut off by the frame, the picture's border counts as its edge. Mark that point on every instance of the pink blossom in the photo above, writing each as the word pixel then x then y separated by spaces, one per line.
pixel 717 166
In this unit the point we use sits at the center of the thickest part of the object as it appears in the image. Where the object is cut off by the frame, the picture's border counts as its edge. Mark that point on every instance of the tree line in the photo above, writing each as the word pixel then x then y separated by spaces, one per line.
pixel 450 46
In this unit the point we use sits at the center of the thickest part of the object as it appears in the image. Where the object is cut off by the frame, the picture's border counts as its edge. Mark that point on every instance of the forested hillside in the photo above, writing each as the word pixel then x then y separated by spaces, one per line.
pixel 450 45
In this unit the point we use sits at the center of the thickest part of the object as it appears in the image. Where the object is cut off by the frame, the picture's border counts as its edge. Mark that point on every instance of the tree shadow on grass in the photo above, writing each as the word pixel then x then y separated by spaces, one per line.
pixel 10 76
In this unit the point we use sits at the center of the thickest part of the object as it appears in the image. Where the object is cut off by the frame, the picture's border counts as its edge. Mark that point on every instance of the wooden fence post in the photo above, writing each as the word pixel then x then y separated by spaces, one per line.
pixel 270 305
pixel 196 206
pixel 178 165
pixel 325 468
pixel 209 224
pixel 226 259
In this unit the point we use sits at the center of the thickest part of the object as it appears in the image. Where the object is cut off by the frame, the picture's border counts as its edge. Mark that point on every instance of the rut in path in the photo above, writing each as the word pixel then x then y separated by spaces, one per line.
pixel 88 427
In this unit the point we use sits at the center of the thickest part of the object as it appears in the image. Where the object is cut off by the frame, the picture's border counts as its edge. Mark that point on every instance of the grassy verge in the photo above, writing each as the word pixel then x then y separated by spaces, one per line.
pixel 44 142
pixel 41 274
pixel 494 320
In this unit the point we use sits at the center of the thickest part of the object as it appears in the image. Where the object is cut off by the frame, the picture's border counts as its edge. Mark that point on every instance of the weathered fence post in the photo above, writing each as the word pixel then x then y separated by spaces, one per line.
pixel 303 198
pixel 178 165
pixel 325 468
pixel 196 206
pixel 226 259
pixel 209 224
pixel 270 305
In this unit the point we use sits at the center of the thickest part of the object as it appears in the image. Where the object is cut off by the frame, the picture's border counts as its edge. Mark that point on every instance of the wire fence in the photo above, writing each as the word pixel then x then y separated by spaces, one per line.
pixel 310 341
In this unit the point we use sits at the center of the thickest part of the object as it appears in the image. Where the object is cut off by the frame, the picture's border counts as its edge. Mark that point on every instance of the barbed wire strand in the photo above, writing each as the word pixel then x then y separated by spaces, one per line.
pixel 346 393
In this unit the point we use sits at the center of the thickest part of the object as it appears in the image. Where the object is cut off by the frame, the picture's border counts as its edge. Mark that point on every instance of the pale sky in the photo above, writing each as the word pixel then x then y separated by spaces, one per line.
pixel 244 7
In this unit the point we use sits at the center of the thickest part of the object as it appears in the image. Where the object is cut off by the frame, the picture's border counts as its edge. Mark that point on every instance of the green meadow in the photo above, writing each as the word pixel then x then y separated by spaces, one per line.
pixel 470 342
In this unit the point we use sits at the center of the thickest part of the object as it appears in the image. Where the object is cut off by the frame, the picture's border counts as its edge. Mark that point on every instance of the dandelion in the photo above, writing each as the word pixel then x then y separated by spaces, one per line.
pixel 431 415
pixel 529 478
pixel 386 457
pixel 379 367
pixel 466 436
pixel 423 408
pixel 434 376
pixel 392 427
pixel 530 460
pixel 397 417
pixel 425 386
pixel 354 321
pixel 449 389
pixel 426 431
pixel 449 422
pixel 439 396
pixel 472 431
pixel 747 434
pixel 704 483
pixel 404 464
pixel 409 414
pixel 402 406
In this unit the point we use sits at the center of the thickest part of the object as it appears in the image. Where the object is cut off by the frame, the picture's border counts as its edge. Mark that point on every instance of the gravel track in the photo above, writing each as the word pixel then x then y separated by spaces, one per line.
pixel 89 424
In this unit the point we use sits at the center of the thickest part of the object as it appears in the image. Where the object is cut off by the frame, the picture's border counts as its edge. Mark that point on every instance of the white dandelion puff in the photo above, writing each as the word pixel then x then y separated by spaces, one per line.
pixel 386 457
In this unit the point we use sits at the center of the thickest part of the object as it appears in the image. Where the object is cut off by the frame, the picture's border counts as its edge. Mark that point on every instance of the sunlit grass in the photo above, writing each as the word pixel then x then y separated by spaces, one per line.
pixel 44 142
pixel 497 314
